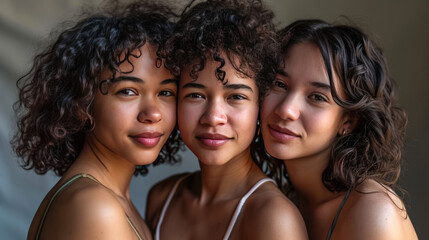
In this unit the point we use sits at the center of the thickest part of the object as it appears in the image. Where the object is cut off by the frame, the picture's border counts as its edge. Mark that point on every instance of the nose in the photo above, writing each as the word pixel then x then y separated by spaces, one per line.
pixel 289 108
pixel 150 112
pixel 214 114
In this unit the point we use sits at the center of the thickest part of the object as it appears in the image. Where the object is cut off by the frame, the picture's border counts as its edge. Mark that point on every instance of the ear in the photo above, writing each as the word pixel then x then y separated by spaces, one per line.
pixel 348 125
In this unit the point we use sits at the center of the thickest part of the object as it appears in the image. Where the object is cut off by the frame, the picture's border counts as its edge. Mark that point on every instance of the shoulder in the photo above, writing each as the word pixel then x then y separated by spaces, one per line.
pixel 374 211
pixel 86 210
pixel 268 214
pixel 157 196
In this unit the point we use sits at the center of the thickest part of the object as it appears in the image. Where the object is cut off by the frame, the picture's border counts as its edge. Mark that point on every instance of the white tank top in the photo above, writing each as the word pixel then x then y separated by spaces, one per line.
pixel 234 217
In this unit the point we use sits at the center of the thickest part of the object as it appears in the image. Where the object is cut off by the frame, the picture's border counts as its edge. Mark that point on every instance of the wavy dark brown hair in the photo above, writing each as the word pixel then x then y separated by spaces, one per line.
pixel 373 149
pixel 56 96
pixel 241 29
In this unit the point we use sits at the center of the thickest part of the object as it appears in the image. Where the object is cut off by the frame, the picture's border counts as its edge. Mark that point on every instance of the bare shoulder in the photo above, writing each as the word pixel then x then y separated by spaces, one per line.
pixel 87 210
pixel 269 214
pixel 157 196
pixel 374 211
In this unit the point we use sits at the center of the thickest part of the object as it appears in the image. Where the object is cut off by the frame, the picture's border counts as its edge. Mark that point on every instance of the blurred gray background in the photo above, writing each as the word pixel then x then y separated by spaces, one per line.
pixel 401 28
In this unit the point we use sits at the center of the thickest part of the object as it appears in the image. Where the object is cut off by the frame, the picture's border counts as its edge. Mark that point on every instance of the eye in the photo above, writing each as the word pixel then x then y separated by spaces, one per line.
pixel 167 93
pixel 127 92
pixel 237 97
pixel 194 95
pixel 318 98
pixel 279 84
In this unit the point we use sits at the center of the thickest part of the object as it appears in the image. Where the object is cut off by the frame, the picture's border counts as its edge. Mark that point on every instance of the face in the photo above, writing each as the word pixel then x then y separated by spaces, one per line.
pixel 216 121
pixel 299 118
pixel 136 116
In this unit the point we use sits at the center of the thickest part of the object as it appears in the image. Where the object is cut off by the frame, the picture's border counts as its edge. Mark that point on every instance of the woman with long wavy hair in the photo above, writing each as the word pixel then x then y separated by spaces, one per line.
pixel 331 118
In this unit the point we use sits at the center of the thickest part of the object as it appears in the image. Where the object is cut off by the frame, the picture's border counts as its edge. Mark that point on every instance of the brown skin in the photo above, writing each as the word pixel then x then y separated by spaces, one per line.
pixel 205 201
pixel 299 122
pixel 90 210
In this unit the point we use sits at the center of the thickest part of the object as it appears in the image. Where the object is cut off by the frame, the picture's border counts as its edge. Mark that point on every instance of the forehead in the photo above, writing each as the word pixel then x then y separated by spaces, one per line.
pixel 305 62
pixel 141 62
pixel 212 69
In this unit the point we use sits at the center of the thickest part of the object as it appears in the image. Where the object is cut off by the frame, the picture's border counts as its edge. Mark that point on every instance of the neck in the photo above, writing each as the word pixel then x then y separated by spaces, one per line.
pixel 110 169
pixel 306 177
pixel 230 180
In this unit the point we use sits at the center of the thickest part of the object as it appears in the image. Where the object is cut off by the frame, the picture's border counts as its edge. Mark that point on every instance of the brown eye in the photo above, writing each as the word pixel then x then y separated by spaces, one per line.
pixel 127 92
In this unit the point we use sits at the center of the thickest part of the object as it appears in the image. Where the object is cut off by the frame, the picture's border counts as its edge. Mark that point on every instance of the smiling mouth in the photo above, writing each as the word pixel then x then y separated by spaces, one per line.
pixel 282 134
pixel 148 139
pixel 213 140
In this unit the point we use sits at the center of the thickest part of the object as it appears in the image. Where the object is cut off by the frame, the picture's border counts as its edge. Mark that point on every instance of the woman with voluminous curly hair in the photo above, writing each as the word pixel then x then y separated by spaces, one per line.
pixel 331 117
pixel 219 51
pixel 97 103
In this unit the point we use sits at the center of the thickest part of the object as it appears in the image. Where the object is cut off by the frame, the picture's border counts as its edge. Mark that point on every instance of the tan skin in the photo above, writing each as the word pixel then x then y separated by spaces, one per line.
pixel 299 122
pixel 205 201
pixel 132 123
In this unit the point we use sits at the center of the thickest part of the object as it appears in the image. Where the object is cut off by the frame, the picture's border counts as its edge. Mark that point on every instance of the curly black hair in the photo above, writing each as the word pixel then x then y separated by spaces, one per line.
pixel 241 29
pixel 56 96
pixel 373 149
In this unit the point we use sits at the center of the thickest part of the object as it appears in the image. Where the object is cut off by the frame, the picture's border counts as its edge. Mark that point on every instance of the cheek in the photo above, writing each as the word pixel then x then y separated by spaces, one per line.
pixel 169 115
pixel 323 123
pixel 267 107
pixel 186 118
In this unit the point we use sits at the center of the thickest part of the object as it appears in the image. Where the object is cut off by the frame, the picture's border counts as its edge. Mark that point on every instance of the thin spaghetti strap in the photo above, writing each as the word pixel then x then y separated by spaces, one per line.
pixel 241 203
pixel 166 204
pixel 59 190
pixel 334 222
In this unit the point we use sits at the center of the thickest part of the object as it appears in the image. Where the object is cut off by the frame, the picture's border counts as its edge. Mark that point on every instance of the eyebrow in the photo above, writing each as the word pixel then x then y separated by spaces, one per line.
pixel 282 72
pixel 238 86
pixel 321 85
pixel 139 80
pixel 228 86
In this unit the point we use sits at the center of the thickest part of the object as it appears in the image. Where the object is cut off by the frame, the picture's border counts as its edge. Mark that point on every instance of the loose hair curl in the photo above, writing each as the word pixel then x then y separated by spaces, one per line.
pixel 373 149
pixel 56 96
pixel 241 29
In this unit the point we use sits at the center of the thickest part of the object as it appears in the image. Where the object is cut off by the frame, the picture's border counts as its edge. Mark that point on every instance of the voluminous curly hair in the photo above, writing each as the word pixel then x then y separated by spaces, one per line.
pixel 56 96
pixel 243 30
pixel 373 149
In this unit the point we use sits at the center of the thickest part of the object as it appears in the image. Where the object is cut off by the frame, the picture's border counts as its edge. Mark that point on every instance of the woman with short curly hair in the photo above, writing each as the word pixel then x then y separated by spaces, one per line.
pixel 331 117
pixel 219 51
pixel 97 103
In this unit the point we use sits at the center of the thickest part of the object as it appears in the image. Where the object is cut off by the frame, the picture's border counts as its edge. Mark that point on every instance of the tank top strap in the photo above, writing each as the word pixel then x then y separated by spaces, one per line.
pixel 166 204
pixel 241 203
pixel 61 189
pixel 334 222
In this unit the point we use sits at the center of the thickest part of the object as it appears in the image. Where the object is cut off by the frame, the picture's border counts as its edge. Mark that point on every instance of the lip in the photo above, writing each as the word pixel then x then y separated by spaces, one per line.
pixel 148 139
pixel 282 134
pixel 212 139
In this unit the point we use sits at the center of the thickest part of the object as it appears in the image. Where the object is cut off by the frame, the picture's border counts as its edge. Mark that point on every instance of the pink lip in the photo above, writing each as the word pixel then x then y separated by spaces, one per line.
pixel 148 139
pixel 282 134
pixel 212 140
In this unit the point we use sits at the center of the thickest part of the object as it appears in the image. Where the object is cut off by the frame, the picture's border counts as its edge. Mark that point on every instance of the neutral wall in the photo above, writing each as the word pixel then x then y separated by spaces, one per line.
pixel 400 27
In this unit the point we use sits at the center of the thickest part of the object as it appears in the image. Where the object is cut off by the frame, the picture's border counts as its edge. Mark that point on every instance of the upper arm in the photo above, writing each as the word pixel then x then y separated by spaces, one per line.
pixel 375 216
pixel 92 213
pixel 274 218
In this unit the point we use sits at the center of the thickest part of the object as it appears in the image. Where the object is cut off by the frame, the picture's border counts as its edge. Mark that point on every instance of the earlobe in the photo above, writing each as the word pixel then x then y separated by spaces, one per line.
pixel 349 124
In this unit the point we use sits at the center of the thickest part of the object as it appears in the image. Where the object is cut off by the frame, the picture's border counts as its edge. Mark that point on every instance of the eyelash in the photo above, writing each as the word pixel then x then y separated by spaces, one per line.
pixel 318 98
pixel 237 97
pixel 167 93
pixel 126 92
pixel 194 95
pixel 280 84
